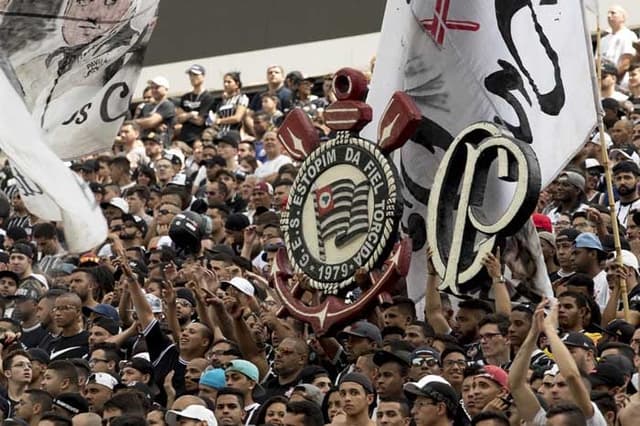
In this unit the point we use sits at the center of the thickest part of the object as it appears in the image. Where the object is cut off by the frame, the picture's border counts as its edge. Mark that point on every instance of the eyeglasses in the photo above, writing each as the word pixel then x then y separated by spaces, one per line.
pixel 429 362
pixel 64 308
pixel 117 228
pixel 183 302
pixel 489 336
pixel 461 363
pixel 93 361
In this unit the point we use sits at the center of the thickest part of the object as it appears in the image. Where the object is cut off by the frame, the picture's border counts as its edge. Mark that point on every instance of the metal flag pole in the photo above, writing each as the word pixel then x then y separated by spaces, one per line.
pixel 608 180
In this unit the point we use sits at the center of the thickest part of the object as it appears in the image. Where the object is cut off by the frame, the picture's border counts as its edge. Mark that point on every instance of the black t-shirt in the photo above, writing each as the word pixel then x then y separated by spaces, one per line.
pixel 203 103
pixel 272 387
pixel 164 356
pixel 76 346
pixel 167 110
pixel 284 97
pixel 36 337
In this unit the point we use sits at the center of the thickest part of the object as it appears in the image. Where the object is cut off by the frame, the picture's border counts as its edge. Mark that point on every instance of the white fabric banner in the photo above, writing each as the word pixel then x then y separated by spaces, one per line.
pixel 77 64
pixel 525 64
pixel 49 188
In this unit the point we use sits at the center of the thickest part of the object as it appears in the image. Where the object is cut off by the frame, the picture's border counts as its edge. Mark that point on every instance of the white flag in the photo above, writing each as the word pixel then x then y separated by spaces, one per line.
pixel 525 64
pixel 77 64
pixel 49 189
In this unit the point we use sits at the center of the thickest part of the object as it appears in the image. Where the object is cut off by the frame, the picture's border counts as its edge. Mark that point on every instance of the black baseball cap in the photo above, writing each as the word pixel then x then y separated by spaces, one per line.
pixel 231 137
pixel 358 378
pixel 401 357
pixel 578 340
pixel 608 374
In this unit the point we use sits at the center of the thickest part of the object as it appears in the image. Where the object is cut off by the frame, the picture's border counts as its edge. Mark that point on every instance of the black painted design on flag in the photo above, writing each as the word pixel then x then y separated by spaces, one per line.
pixel 342 210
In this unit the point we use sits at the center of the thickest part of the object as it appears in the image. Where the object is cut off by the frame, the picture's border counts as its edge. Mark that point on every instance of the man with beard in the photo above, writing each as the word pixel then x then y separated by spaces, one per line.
pixel 358 339
pixel 185 306
pixel 84 283
pixel 569 195
pixel 52 254
pixel 470 312
pixel 44 313
pixel 625 176
pixel 26 308
pixel 133 231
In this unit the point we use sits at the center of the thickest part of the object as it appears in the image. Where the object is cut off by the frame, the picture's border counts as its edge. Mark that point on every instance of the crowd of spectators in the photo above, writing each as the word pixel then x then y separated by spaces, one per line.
pixel 172 321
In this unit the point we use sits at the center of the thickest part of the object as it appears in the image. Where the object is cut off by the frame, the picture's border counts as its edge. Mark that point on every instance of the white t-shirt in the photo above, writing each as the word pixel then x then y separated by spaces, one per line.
pixel 271 166
pixel 601 289
pixel 618 44
pixel 596 420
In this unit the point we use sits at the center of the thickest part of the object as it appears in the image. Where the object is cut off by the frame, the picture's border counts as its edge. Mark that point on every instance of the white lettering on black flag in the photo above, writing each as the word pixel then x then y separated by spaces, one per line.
pixel 77 63
pixel 524 64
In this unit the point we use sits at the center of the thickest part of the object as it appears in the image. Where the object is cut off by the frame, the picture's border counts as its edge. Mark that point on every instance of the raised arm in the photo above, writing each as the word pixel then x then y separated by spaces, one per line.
pixel 523 396
pixel 434 313
pixel 494 268
pixel 566 364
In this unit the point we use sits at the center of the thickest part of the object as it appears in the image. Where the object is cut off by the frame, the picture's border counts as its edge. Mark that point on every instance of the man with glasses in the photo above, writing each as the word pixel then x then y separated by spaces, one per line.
pixel 493 331
pixel 104 358
pixel 454 362
pixel 435 401
pixel 424 360
pixel 292 355
pixel 73 341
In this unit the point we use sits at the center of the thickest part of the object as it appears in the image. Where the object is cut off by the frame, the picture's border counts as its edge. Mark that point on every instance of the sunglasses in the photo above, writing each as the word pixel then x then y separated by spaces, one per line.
pixel 420 362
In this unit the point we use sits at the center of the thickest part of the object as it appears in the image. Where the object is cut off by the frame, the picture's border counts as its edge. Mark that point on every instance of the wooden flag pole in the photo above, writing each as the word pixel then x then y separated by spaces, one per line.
pixel 608 180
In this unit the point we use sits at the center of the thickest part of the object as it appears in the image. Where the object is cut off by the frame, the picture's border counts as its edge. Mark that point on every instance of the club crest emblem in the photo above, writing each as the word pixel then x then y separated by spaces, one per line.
pixel 345 205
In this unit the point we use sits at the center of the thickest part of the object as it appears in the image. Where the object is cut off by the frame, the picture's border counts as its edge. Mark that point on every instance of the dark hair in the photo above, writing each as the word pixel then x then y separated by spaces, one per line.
pixel 122 163
pixel 425 327
pixel 498 418
pixel 450 349
pixel 44 230
pixel 524 308
pixel 605 402
pixel 575 416
pixel 624 349
pixel 38 396
pixel 127 403
pixel 56 419
pixel 392 329
pixel 310 411
pixel 500 320
pixel 262 412
pixel 231 391
pixel 325 400
pixel 139 190
pixel 180 192
pixel 235 76
pixel 581 280
pixel 128 421
pixel 404 405
pixel 476 305
pixel 64 369
pixel 251 160
pixel 222 187
pixel 581 299
pixel 110 351
pixel 7 363
pixel 282 182
pixel 146 171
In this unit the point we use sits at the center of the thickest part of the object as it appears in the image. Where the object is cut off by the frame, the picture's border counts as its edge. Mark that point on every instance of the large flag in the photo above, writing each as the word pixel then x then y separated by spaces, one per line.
pixel 526 65
pixel 68 71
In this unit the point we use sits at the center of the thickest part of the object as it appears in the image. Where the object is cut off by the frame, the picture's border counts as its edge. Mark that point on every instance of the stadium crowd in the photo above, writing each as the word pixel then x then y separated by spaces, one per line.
pixel 172 321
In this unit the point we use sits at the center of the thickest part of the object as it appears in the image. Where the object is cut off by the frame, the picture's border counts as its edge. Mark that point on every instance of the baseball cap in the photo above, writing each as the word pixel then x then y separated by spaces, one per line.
pixel 630 260
pixel 186 294
pixel 495 374
pixel 548 237
pixel 596 139
pixel 108 324
pixel 231 137
pixel 244 367
pixel 426 350
pixel 10 274
pixel 241 284
pixel 151 136
pixel 159 81
pixel 214 378
pixel 155 302
pixel 568 233
pixel 137 221
pixel 620 329
pixel 592 163
pixel 25 293
pixel 117 202
pixel 102 310
pixel 194 412
pixel 574 178
pixel 236 222
pixel 196 69
pixel 358 378
pixel 401 357
pixel 311 393
pixel 628 166
pixel 39 355
pixel 23 248
pixel 74 403
pixel 104 379
pixel 435 387
pixel 542 222
pixel 578 340
pixel 263 187
pixel 362 329
pixel 608 374
pixel 588 240
pixel 626 153
pixel 144 366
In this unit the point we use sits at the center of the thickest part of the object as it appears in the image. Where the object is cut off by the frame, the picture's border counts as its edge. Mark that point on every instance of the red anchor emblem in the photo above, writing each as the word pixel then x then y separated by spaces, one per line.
pixel 343 209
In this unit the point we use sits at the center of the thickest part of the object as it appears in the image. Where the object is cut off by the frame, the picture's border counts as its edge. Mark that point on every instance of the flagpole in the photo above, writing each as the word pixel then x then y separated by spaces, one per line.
pixel 608 180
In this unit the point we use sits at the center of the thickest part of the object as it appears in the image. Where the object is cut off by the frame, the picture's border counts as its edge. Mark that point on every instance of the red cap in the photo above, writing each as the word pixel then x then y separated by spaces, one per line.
pixel 496 374
pixel 542 222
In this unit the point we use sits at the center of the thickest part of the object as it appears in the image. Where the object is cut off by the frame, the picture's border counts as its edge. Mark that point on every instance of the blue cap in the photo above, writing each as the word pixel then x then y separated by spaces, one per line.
pixel 103 310
pixel 213 378
pixel 245 368
pixel 196 69
pixel 588 240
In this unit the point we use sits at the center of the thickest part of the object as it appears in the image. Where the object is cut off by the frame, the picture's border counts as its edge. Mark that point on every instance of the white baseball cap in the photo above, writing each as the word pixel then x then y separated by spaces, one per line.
pixel 103 379
pixel 159 81
pixel 155 302
pixel 195 412
pixel 241 284
pixel 119 203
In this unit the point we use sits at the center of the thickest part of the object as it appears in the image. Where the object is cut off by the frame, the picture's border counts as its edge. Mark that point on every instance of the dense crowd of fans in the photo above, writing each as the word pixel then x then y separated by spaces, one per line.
pixel 173 320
